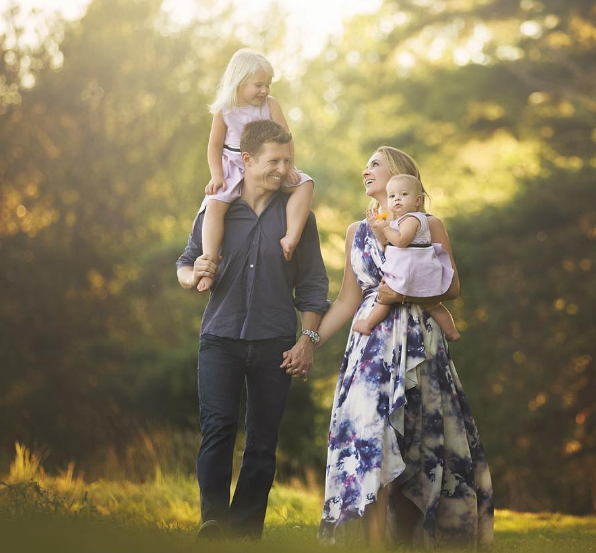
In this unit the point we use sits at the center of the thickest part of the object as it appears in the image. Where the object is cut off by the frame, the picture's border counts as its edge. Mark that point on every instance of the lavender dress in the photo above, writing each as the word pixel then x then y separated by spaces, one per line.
pixel 233 167
pixel 422 269
pixel 400 418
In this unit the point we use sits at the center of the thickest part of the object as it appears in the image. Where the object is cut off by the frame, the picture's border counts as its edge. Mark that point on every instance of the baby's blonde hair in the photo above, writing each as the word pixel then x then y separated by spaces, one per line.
pixel 399 163
pixel 412 179
pixel 244 63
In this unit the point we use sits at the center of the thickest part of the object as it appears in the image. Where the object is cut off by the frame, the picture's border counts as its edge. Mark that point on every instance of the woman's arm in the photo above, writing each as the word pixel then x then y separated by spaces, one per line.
pixel 349 298
pixel 438 235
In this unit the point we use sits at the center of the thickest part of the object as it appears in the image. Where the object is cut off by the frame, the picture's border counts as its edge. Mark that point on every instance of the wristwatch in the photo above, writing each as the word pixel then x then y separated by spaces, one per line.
pixel 313 335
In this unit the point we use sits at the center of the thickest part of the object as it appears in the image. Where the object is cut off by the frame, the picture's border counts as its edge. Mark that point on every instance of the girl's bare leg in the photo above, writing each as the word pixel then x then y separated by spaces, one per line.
pixel 443 317
pixel 377 315
pixel 375 519
pixel 297 211
pixel 213 231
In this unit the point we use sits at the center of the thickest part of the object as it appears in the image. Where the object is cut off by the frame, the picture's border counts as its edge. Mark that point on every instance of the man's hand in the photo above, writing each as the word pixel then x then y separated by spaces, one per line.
pixel 298 361
pixel 387 296
pixel 203 267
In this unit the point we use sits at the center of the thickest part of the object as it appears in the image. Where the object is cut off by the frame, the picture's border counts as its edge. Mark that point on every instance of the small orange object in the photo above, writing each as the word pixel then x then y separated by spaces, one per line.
pixel 382 216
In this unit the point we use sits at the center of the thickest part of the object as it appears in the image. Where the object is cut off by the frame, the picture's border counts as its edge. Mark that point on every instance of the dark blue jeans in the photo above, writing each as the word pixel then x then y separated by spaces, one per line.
pixel 225 366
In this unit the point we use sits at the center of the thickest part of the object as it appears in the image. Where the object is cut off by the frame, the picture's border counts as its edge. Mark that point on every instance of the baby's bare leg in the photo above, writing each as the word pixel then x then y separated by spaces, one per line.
pixel 213 231
pixel 443 317
pixel 377 315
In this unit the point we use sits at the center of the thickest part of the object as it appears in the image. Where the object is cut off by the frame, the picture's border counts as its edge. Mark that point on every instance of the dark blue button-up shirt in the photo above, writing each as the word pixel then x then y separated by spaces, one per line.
pixel 256 291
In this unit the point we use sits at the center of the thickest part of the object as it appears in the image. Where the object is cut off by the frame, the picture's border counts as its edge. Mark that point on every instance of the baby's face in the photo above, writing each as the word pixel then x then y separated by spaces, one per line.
pixel 402 196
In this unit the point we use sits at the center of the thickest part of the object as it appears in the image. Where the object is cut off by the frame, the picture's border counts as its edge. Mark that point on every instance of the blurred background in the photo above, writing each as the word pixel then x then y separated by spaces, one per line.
pixel 103 135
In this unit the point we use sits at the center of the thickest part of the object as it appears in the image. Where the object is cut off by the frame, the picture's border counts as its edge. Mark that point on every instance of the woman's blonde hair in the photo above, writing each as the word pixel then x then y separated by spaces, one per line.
pixel 399 163
pixel 244 63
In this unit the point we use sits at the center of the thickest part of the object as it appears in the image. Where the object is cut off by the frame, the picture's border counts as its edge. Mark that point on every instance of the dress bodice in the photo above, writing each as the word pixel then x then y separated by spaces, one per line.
pixel 367 256
pixel 236 117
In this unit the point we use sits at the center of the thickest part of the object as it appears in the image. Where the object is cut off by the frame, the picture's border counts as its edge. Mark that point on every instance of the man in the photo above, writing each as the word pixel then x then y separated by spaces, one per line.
pixel 248 324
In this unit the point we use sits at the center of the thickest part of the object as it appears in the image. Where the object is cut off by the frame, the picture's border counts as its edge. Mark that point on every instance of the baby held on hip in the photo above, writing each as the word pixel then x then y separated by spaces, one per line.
pixel 413 265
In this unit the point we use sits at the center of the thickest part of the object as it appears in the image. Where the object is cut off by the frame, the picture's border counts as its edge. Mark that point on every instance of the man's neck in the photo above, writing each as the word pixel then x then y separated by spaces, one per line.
pixel 256 197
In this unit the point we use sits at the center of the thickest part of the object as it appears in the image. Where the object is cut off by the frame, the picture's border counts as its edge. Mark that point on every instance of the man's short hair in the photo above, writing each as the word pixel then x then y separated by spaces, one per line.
pixel 257 133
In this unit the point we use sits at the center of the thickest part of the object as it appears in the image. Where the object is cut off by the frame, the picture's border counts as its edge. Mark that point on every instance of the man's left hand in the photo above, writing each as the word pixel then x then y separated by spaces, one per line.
pixel 298 361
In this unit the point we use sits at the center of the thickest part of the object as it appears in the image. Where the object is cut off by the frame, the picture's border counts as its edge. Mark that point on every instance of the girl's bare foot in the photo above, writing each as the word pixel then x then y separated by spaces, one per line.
pixel 288 246
pixel 362 327
pixel 205 284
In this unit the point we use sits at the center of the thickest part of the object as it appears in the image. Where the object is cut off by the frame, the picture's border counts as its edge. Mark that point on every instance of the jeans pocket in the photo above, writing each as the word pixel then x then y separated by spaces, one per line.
pixel 209 340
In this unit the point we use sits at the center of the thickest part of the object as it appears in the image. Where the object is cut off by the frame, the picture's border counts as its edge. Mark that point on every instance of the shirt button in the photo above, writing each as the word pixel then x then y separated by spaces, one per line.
pixel 251 266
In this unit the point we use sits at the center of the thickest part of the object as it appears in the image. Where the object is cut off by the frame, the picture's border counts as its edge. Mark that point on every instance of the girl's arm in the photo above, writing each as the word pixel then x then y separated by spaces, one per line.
pixel 438 235
pixel 349 298
pixel 214 151
pixel 277 115
pixel 403 237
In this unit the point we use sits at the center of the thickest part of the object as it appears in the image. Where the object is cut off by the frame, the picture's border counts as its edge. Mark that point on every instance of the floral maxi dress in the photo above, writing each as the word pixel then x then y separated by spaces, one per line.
pixel 400 419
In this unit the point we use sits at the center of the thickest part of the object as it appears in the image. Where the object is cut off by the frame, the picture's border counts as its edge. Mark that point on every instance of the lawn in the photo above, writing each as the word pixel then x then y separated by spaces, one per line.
pixel 64 514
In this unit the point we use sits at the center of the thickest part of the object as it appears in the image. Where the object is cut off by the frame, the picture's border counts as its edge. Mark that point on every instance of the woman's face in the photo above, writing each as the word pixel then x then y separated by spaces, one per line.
pixel 375 176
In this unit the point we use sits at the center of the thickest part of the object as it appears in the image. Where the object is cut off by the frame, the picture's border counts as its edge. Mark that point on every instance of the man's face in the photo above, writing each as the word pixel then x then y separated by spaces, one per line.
pixel 268 169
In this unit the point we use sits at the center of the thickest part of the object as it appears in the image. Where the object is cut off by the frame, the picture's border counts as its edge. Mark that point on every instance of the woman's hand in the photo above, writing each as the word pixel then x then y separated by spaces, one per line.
pixel 298 361
pixel 387 296
pixel 214 185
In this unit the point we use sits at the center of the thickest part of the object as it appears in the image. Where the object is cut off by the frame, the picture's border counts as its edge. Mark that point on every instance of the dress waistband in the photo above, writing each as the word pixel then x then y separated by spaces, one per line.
pixel 419 245
pixel 366 292
pixel 238 150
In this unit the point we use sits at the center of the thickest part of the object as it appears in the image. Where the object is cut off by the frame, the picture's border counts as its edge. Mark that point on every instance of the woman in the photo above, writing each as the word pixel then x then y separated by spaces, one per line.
pixel 403 447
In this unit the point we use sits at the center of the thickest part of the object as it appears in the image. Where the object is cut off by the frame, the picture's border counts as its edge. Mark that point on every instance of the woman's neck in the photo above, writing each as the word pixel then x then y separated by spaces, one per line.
pixel 382 202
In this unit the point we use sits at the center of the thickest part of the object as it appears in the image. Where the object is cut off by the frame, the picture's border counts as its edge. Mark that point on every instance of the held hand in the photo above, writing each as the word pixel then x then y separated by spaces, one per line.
pixel 293 177
pixel 214 185
pixel 203 267
pixel 298 361
pixel 387 296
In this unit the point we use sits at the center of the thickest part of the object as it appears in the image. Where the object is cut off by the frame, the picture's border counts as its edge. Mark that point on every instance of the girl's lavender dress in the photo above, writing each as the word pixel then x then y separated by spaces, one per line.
pixel 400 418
pixel 233 167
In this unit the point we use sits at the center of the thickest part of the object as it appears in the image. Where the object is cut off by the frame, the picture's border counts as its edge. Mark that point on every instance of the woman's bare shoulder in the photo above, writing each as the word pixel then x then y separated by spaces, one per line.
pixel 434 222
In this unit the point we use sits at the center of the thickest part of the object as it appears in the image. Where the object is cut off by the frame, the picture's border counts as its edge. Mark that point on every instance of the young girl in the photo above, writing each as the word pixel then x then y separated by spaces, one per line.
pixel 243 96
pixel 413 266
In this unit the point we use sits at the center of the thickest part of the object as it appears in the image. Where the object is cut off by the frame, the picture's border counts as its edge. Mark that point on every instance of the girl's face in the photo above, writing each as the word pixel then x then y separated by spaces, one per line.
pixel 403 196
pixel 375 176
pixel 254 89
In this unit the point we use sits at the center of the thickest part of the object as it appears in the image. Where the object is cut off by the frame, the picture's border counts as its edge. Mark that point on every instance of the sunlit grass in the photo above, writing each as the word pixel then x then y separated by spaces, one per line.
pixel 63 513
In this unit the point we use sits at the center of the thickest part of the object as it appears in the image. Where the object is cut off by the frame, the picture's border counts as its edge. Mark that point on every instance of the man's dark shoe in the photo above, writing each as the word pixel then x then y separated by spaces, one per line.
pixel 211 530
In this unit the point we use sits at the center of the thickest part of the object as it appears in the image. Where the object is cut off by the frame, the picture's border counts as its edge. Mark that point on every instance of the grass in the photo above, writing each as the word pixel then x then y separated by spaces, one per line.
pixel 64 514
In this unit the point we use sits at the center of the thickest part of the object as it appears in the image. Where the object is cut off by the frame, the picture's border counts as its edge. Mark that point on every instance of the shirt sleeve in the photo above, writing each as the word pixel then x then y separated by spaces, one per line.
pixel 194 246
pixel 312 284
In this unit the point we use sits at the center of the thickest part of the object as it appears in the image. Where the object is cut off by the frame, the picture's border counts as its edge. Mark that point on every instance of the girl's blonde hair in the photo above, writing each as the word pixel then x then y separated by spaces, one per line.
pixel 399 163
pixel 244 63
